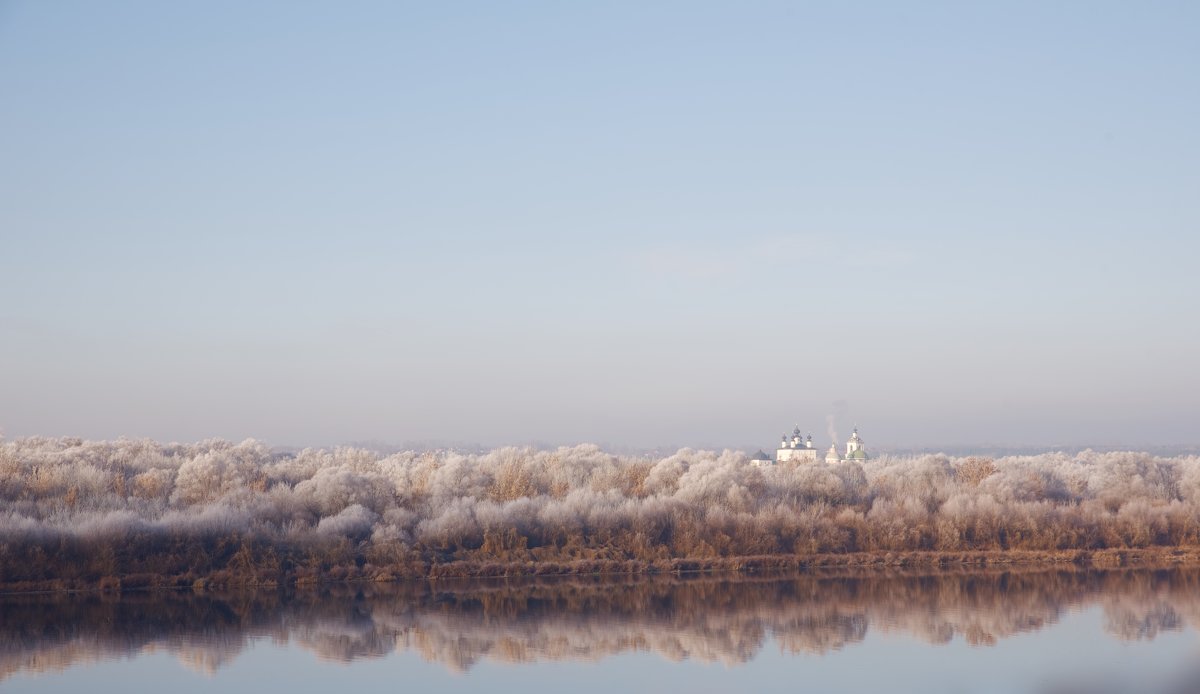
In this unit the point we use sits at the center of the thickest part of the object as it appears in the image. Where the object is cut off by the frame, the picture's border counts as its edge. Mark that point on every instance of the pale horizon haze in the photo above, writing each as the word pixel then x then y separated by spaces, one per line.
pixel 641 224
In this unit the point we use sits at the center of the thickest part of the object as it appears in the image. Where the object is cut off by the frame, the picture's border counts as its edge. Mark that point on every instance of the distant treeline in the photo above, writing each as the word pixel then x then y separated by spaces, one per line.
pixel 129 514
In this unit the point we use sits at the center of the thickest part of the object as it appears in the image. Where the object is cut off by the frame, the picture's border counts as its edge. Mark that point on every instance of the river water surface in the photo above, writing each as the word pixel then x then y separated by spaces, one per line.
pixel 1014 631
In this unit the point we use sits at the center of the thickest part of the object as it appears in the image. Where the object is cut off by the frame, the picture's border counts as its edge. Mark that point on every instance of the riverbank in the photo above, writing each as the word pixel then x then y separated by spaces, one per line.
pixel 1150 558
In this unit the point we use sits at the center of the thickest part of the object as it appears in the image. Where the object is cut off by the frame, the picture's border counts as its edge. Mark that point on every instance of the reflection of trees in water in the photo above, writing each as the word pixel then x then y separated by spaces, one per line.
pixel 702 618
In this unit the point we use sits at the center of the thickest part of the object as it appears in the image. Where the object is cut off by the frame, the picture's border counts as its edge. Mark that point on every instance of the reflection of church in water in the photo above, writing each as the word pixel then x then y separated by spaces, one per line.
pixel 800 449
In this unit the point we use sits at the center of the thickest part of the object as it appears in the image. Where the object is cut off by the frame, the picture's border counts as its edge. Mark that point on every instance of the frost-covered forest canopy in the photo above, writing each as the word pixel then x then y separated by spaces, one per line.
pixel 134 511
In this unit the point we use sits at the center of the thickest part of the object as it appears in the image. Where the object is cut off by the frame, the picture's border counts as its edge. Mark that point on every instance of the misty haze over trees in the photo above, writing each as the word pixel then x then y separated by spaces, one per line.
pixel 135 513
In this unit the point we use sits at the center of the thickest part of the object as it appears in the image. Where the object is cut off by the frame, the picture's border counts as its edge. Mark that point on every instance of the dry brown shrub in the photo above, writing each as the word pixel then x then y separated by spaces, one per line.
pixel 974 470
pixel 149 485
pixel 507 545
pixel 119 484
pixel 634 479
pixel 512 482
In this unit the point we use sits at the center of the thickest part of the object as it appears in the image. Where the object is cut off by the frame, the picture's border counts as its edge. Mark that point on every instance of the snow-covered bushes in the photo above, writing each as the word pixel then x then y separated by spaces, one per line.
pixel 196 503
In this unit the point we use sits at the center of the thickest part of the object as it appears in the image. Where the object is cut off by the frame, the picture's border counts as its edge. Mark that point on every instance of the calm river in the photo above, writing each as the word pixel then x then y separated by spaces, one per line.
pixel 1054 631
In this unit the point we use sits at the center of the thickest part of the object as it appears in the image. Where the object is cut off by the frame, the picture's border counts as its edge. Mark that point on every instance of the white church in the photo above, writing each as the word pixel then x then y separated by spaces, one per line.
pixel 800 449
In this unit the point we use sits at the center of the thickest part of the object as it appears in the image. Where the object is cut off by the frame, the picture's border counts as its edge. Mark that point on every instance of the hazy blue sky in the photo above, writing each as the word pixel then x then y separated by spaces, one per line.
pixel 642 223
